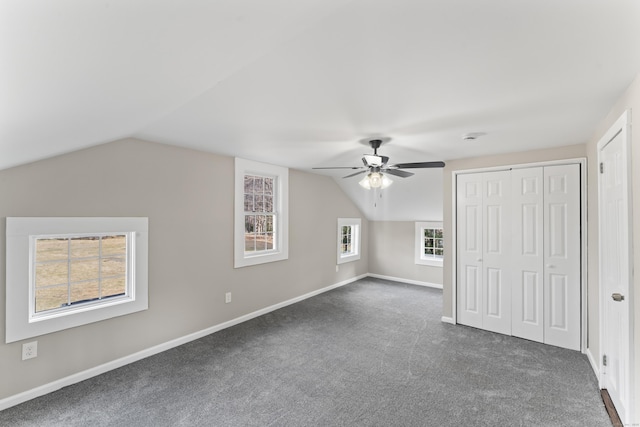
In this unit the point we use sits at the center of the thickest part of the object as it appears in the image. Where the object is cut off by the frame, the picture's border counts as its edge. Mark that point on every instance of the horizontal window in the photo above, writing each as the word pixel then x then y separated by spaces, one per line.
pixel 66 272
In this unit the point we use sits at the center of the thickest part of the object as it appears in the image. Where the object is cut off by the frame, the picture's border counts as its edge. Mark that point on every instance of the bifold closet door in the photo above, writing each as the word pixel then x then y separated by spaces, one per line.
pixel 562 256
pixel 483 218
pixel 528 253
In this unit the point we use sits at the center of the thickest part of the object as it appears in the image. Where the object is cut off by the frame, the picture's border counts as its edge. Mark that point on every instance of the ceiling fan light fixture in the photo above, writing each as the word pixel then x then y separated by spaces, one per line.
pixel 375 180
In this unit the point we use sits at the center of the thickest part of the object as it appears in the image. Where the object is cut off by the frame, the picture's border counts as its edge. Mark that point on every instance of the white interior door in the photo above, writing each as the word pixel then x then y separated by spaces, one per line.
pixel 469 244
pixel 615 273
pixel 496 259
pixel 527 254
pixel 562 256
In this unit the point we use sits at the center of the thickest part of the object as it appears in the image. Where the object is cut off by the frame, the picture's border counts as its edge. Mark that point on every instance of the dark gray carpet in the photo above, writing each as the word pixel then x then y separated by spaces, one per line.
pixel 372 353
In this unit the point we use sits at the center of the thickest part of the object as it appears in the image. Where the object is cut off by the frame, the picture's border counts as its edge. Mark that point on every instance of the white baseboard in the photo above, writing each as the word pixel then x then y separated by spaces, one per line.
pixel 409 281
pixel 594 363
pixel 445 319
pixel 114 364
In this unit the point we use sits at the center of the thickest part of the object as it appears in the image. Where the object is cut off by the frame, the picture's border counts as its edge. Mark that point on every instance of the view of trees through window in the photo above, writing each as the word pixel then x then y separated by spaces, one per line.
pixel 259 213
pixel 346 239
pixel 73 270
pixel 433 243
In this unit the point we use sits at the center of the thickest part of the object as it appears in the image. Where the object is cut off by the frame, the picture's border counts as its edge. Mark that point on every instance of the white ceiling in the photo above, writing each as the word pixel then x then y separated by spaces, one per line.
pixel 301 83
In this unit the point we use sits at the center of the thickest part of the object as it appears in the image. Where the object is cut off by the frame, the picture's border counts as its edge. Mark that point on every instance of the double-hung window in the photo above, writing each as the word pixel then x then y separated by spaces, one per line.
pixel 348 239
pixel 67 272
pixel 429 246
pixel 261 213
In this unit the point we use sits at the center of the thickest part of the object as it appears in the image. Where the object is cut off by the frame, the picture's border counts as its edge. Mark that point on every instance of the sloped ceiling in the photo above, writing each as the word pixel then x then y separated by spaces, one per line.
pixel 304 83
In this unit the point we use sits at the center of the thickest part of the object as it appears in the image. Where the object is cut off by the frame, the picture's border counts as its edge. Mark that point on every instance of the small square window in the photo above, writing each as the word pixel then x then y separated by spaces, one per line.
pixel 429 245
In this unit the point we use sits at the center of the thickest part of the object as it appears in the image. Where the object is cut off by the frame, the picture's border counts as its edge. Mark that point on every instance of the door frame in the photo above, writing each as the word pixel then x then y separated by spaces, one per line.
pixel 621 126
pixel 582 161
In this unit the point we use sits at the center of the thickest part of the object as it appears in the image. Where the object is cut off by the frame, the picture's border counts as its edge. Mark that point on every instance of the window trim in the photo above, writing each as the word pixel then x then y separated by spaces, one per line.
pixel 420 259
pixel 21 323
pixel 356 226
pixel 281 206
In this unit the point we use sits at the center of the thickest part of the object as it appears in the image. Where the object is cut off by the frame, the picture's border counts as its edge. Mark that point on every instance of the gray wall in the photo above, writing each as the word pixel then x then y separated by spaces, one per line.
pixel 391 252
pixel 188 197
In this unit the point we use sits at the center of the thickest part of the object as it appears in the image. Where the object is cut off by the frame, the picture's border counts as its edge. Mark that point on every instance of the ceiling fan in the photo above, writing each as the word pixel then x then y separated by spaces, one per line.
pixel 376 167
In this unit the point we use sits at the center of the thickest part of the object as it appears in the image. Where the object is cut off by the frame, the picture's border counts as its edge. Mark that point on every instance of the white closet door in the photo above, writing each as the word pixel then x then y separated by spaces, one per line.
pixel 496 260
pixel 562 256
pixel 527 254
pixel 469 243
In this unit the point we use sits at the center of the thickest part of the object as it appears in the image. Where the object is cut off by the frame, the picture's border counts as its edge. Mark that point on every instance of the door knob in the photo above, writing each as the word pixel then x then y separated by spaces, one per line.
pixel 617 297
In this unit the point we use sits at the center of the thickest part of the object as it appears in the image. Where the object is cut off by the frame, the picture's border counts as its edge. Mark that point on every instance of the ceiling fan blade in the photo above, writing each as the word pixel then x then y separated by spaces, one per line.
pixel 397 172
pixel 357 173
pixel 418 165
pixel 340 167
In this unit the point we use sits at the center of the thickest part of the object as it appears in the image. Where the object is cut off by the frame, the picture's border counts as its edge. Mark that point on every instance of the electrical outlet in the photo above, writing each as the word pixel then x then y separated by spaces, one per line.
pixel 227 297
pixel 30 350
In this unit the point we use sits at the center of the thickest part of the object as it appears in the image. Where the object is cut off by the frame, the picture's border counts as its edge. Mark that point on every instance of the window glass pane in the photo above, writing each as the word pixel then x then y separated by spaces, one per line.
pixel 53 273
pixel 428 232
pixel 261 244
pixel 439 252
pixel 268 186
pixel 83 247
pixel 52 249
pixel 248 203
pixel 438 233
pixel 249 223
pixel 268 203
pixel 270 224
pixel 85 291
pixel 114 245
pixel 249 242
pixel 428 243
pixel 248 184
pixel 428 251
pixel 269 241
pixel 84 270
pixel 113 267
pixel 113 286
pixel 258 184
pixel 50 298
pixel 259 203
pixel 439 243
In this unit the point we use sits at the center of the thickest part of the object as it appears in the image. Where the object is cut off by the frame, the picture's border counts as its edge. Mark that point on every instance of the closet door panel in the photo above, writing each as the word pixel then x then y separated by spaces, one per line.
pixel 527 253
pixel 469 246
pixel 496 266
pixel 562 256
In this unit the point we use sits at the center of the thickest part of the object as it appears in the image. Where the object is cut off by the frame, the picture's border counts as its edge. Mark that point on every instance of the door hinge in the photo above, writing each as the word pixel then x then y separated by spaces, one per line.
pixel 604 360
pixel 601 167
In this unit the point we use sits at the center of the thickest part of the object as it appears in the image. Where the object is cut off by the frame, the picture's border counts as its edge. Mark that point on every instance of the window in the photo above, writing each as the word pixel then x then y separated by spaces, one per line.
pixel 429 244
pixel 67 272
pixel 261 213
pixel 348 239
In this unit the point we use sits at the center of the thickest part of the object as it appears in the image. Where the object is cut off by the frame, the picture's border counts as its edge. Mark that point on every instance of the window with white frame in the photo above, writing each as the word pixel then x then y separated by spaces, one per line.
pixel 261 213
pixel 67 272
pixel 348 239
pixel 429 243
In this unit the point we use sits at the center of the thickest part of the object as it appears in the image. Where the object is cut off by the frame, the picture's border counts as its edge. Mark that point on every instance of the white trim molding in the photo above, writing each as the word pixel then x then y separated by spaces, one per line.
pixel 409 281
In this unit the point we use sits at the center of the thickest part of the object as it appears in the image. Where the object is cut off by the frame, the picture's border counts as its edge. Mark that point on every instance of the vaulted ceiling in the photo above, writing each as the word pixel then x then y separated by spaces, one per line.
pixel 304 83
